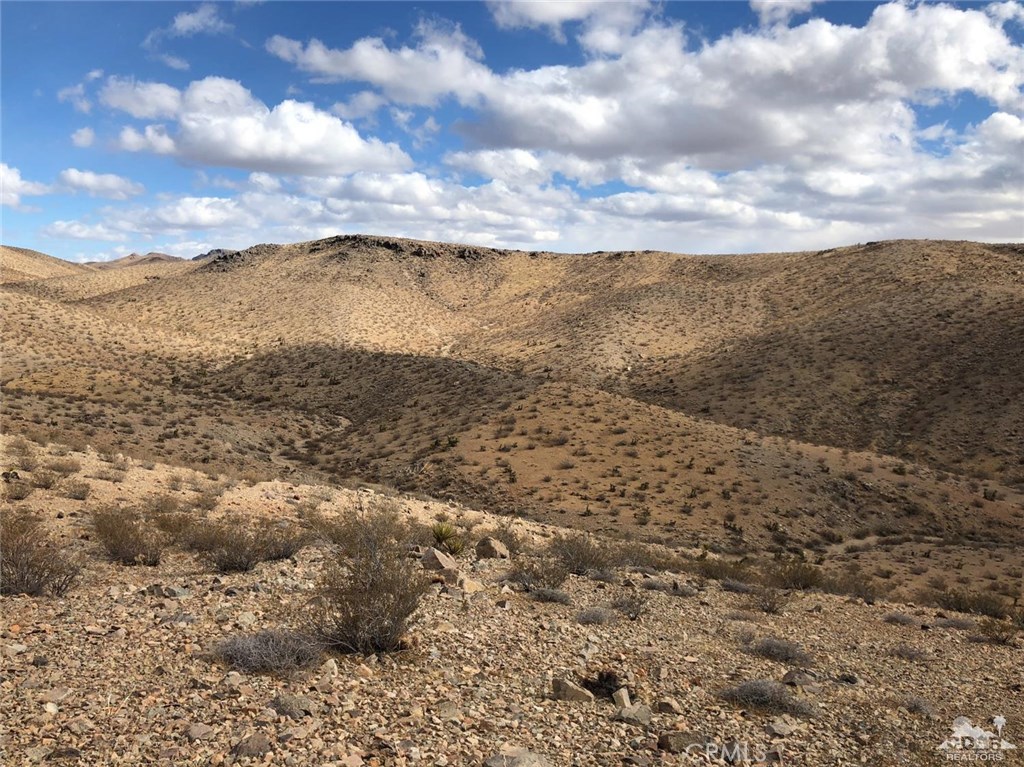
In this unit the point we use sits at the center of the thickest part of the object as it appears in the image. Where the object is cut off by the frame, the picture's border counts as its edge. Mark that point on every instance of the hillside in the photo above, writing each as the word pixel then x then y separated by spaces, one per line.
pixel 20 264
pixel 805 403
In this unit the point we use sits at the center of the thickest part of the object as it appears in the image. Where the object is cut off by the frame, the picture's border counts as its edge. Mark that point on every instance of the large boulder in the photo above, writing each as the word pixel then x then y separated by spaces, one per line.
pixel 492 548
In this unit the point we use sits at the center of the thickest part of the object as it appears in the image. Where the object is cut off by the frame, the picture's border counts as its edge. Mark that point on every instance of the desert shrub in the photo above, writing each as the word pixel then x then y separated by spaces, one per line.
pixel 161 503
pixel 208 498
pixel 127 538
pixel 737 587
pixel 507 533
pixel 979 603
pixel 43 479
pixel 538 572
pixel 996 631
pixel 283 540
pixel 908 652
pixel 915 704
pixel 781 650
pixel 851 583
pixel 30 562
pixel 18 490
pixel 769 600
pixel 580 553
pixel 76 490
pixel 270 651
pixel 64 466
pixel 367 595
pixel 636 554
pixel 633 606
pixel 555 596
pixel 674 588
pixel 598 616
pixel 772 697
pixel 720 569
pixel 794 574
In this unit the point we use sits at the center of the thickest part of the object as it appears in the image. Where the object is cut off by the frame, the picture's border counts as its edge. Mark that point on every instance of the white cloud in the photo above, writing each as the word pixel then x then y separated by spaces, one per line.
pixel 780 11
pixel 204 19
pixel 444 61
pixel 78 230
pixel 83 137
pixel 153 139
pixel 220 123
pixel 107 185
pixel 145 100
pixel 361 105
pixel 75 94
pixel 13 187
pixel 174 62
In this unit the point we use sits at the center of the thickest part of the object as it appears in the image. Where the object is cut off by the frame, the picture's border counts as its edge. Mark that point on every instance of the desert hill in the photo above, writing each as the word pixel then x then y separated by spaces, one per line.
pixel 133 259
pixel 20 264
pixel 861 405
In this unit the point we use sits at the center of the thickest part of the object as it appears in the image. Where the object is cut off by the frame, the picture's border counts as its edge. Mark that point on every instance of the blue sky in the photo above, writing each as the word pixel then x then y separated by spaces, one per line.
pixel 584 125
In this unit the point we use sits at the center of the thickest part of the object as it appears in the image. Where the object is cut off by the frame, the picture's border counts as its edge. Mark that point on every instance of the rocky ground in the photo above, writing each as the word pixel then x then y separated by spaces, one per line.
pixel 120 670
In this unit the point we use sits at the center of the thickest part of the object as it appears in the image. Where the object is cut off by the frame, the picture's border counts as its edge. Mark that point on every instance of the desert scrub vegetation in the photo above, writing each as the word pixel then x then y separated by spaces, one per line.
pixel 273 651
pixel 979 603
pixel 448 538
pixel 541 572
pixel 77 490
pixel 771 697
pixel 781 651
pixel 127 537
pixel 237 544
pixel 30 562
pixel 580 554
pixel 370 588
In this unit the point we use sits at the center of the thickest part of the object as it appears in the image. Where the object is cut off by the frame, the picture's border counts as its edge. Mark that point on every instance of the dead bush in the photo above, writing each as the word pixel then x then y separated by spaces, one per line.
pixel 794 574
pixel 781 651
pixel 127 537
pixel 996 631
pixel 979 603
pixel 30 562
pixel 772 697
pixel 76 490
pixel 18 490
pixel 633 606
pixel 368 593
pixel 538 572
pixel 769 600
pixel 272 651
pixel 44 480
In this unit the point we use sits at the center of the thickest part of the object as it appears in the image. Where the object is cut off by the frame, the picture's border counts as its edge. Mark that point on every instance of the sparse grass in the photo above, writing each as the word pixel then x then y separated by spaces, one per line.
pixel 369 591
pixel 274 651
pixel 905 651
pixel 772 697
pixel 781 651
pixel 596 616
pixel 555 596
pixel 127 537
pixel 30 562
pixel 77 490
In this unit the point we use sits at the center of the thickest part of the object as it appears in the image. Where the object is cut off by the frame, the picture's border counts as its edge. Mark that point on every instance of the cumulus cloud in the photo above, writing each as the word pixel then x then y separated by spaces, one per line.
pixel 444 61
pixel 780 11
pixel 219 122
pixel 145 100
pixel 153 139
pixel 75 95
pixel 80 230
pixel 13 187
pixel 107 185
pixel 204 19
pixel 83 137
